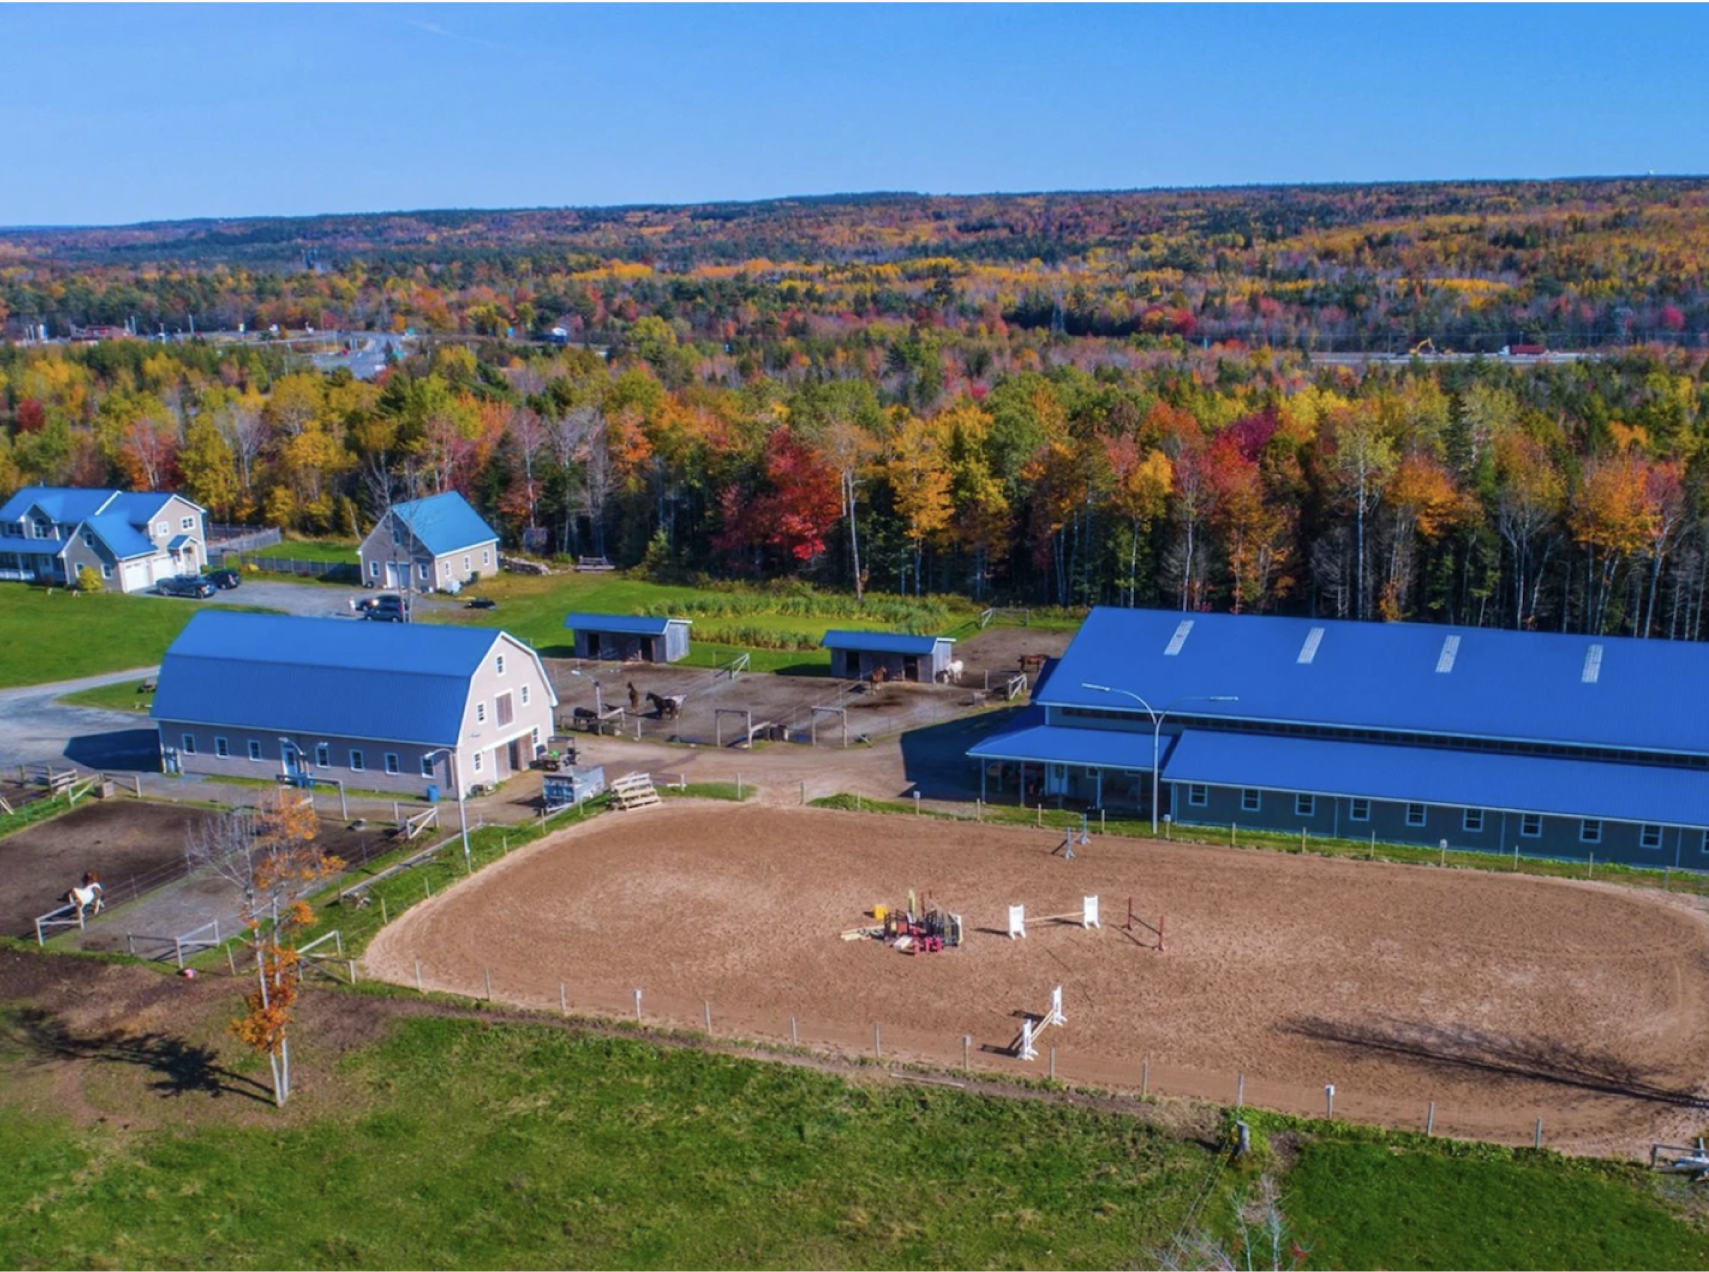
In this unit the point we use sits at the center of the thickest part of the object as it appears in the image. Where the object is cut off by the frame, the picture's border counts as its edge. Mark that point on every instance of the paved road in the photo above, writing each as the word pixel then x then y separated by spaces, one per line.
pixel 34 729
pixel 308 600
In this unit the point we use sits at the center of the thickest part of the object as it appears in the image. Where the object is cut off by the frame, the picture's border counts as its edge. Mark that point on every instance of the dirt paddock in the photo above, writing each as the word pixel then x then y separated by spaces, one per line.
pixel 1501 999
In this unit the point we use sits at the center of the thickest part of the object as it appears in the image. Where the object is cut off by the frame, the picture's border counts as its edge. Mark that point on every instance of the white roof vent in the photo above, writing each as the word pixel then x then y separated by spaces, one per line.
pixel 1308 651
pixel 1592 664
pixel 1450 649
pixel 1179 638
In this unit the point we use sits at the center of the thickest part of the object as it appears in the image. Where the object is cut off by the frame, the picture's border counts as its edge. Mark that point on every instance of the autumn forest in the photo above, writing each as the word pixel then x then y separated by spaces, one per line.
pixel 1154 399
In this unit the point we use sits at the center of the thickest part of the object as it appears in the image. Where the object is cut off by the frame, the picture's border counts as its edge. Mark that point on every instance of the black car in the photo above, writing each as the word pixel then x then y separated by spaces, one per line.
pixel 225 580
pixel 388 608
pixel 189 585
pixel 480 602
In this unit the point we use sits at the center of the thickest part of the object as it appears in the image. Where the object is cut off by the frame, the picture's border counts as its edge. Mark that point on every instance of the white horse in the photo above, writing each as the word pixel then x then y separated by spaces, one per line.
pixel 88 897
pixel 951 674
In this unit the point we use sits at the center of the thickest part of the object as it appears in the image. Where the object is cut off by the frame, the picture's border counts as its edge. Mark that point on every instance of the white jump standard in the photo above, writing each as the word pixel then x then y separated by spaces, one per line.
pixel 1087 917
pixel 1026 1048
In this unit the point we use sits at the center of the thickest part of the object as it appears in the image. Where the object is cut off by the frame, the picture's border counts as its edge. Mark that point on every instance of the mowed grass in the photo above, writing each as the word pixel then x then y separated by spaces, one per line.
pixel 456 1143
pixel 126 695
pixel 337 551
pixel 63 636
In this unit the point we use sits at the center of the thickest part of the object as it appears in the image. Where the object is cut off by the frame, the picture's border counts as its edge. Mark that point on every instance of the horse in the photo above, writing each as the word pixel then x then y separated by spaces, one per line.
pixel 879 676
pixel 635 699
pixel 87 897
pixel 663 707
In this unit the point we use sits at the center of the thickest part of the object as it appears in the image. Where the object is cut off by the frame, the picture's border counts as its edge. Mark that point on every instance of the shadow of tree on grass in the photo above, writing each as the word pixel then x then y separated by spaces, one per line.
pixel 180 1067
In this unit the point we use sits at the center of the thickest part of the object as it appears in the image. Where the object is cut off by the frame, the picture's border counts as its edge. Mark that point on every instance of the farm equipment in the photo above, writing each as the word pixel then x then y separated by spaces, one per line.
pixel 914 930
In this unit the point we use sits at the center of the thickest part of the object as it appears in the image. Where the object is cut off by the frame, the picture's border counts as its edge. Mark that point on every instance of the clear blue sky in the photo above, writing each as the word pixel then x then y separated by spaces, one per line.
pixel 120 114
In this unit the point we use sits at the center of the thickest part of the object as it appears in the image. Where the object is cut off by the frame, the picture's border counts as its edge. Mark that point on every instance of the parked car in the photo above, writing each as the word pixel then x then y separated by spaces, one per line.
pixel 384 609
pixel 225 580
pixel 480 602
pixel 189 585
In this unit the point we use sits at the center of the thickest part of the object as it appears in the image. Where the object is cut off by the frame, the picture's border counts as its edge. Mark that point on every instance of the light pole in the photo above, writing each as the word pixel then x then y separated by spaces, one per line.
pixel 598 693
pixel 1157 727
pixel 462 813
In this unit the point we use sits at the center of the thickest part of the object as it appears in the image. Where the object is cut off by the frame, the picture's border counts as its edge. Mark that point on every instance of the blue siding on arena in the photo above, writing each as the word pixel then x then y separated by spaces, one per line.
pixel 1525 686
pixel 407 681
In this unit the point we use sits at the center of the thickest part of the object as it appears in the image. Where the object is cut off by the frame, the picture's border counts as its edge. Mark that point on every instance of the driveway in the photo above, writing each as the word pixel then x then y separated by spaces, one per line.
pixel 308 600
pixel 34 729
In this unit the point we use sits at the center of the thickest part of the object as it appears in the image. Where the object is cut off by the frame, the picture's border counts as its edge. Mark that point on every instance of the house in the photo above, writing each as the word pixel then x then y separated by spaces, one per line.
pixel 1510 742
pixel 433 544
pixel 627 638
pixel 133 539
pixel 856 655
pixel 414 708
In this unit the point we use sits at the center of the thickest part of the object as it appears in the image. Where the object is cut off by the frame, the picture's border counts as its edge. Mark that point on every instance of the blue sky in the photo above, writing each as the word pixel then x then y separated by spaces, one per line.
pixel 120 114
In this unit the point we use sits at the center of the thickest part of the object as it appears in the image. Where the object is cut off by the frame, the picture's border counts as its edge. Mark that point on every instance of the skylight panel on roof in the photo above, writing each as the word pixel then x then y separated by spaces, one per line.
pixel 1592 664
pixel 1450 649
pixel 1308 651
pixel 1179 638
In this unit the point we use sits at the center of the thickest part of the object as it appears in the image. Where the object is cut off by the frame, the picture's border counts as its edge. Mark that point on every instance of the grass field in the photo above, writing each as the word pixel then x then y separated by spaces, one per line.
pixel 63 636
pixel 452 1142
pixel 126 695
pixel 336 551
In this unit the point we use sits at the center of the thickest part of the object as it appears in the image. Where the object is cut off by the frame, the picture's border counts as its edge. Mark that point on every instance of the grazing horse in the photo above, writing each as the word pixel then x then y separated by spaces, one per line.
pixel 635 699
pixel 663 707
pixel 87 897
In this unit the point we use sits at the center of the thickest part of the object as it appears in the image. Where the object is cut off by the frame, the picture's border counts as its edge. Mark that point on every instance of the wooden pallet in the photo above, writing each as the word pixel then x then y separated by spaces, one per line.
pixel 634 790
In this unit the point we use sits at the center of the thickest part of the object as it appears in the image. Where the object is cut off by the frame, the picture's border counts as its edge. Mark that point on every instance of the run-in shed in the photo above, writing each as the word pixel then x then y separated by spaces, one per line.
pixel 856 655
pixel 626 637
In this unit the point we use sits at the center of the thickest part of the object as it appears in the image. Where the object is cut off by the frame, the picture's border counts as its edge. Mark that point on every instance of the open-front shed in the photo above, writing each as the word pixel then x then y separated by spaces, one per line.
pixel 857 655
pixel 629 638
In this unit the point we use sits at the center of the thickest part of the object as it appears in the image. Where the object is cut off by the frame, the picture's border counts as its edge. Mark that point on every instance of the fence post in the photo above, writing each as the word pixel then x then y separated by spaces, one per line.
pixel 229 960
pixel 1144 1079
pixel 1430 1119
pixel 563 1000
pixel 637 1006
pixel 706 1006
pixel 418 988
pixel 794 1034
pixel 738 787
pixel 966 1052
pixel 877 1040
pixel 1329 1101
pixel 1240 1091
pixel 489 977
pixel 1053 1064
pixel 1537 1140
pixel 383 919
pixel 352 965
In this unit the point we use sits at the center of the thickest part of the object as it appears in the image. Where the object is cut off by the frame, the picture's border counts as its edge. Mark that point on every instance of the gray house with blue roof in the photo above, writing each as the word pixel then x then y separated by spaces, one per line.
pixel 437 544
pixel 132 539
pixel 415 708
pixel 1543 744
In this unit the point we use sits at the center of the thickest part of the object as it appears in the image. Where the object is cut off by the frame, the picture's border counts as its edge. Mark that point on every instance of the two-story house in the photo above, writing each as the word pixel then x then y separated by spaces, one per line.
pixel 427 545
pixel 133 539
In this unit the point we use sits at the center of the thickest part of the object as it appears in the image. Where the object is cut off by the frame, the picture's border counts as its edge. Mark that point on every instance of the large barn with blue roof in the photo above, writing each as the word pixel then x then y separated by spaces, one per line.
pixel 407 707
pixel 1543 744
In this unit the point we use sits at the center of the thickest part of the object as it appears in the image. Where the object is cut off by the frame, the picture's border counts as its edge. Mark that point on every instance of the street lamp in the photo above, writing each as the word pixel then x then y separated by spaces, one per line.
pixel 598 693
pixel 462 813
pixel 1157 727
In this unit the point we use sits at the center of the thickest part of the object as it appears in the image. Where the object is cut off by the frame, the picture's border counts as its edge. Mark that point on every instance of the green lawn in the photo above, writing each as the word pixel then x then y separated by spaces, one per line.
pixel 339 551
pixel 127 695
pixel 65 635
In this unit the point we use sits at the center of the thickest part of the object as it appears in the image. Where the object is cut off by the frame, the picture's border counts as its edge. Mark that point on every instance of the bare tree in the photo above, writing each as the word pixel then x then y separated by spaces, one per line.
pixel 1262 1237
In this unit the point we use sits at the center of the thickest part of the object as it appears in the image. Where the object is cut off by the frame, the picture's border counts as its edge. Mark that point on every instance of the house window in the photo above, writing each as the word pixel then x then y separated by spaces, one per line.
pixel 480 713
pixel 106 571
pixel 162 528
pixel 477 761
pixel 505 712
pixel 187 523
pixel 1359 810
pixel 254 749
pixel 525 695
pixel 397 534
pixel 501 664
pixel 323 755
pixel 1415 814
pixel 373 569
pixel 1473 820
pixel 222 748
pixel 1590 831
pixel 357 763
pixel 468 564
pixel 534 737
pixel 1198 795
pixel 426 571
pixel 392 765
pixel 189 744
pixel 1250 801
pixel 1650 837
pixel 1305 805
pixel 1531 826
pixel 427 769
pixel 486 556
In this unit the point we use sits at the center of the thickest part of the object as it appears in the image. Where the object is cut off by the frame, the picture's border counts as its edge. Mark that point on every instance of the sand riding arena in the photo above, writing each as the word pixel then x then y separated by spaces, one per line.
pixel 1499 999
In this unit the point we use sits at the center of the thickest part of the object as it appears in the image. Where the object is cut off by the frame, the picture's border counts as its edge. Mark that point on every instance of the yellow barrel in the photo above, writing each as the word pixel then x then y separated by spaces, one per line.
pixel 878 913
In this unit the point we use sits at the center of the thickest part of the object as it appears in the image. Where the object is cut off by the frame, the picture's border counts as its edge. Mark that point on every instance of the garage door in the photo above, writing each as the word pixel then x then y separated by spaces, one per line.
pixel 136 576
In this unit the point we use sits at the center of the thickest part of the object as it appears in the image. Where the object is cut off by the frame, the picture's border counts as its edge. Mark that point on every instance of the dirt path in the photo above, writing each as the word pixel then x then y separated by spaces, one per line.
pixel 1501 999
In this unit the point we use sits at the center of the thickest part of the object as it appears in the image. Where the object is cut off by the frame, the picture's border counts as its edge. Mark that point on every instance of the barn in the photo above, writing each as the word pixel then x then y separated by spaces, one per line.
pixel 629 638
pixel 413 708
pixel 1548 745
pixel 856 655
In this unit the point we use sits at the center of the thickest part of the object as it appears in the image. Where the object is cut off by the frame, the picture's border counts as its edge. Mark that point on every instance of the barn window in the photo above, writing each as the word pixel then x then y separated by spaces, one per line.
pixel 1531 825
pixel 1415 814
pixel 1305 805
pixel 1473 820
pixel 1250 801
pixel 525 695
pixel 427 766
pixel 189 744
pixel 502 707
pixel 323 755
pixel 254 749
pixel 1198 795
pixel 501 664
pixel 477 761
pixel 480 713
pixel 1590 831
pixel 357 763
pixel 1359 810
pixel 1650 837
pixel 222 748
pixel 534 737
pixel 392 765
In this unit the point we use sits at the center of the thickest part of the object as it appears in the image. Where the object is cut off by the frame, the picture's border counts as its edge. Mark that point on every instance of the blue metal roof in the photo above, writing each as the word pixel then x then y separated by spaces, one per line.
pixel 627 624
pixel 35 547
pixel 1054 744
pixel 444 523
pixel 62 503
pixel 405 682
pixel 1456 779
pixel 883 642
pixel 1606 691
pixel 120 536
